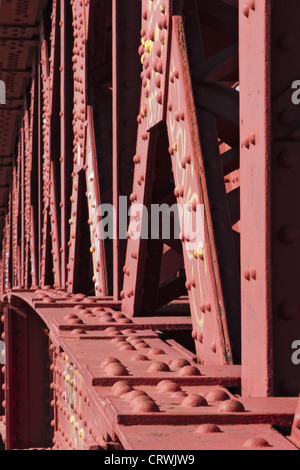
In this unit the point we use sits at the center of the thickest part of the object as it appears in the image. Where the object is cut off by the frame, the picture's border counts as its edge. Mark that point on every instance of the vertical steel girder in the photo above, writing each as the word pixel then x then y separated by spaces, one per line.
pixel 270 241
pixel 85 145
pixel 2 360
pixel 27 381
pixel 125 85
pixel 80 19
pixel 167 95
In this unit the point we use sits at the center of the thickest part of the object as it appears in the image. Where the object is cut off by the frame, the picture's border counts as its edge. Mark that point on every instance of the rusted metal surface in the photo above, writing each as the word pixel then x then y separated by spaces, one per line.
pixel 136 343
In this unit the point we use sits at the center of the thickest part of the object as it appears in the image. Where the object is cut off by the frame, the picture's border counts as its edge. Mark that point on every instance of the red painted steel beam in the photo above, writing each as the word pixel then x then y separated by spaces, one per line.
pixel 22 208
pixel 167 95
pixel 89 155
pixel 269 197
pixel 98 401
pixel 27 389
pixel 209 336
pixel 33 210
pixel 125 87
pixel 50 62
pixel 2 359
pixel 296 426
pixel 79 24
pixel 94 201
pixel 152 112
pixel 30 188
pixel 66 131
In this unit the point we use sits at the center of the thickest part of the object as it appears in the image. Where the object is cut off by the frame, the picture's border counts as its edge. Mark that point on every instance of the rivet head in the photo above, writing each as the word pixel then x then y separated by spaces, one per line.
pixel 139 357
pixel 115 370
pixel 120 388
pixel 288 235
pixel 179 363
pixel 252 139
pixel 287 42
pixel 252 272
pixel 189 371
pixel 286 117
pixel 287 311
pixel 158 81
pixel 178 395
pixel 246 10
pixel 130 396
pixel 168 386
pixel 109 360
pixel 208 429
pixel 156 352
pixel 152 35
pixel 176 73
pixel 289 386
pixel 217 395
pixel 287 159
pixel 78 331
pixel 256 443
pixel 141 50
pixel 199 336
pixel 146 405
pixel 194 400
pixel 185 161
pixel 199 254
pixel 247 274
pixel 231 406
pixel 148 46
pixel 159 97
pixel 246 142
pixel 137 159
pixel 158 65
